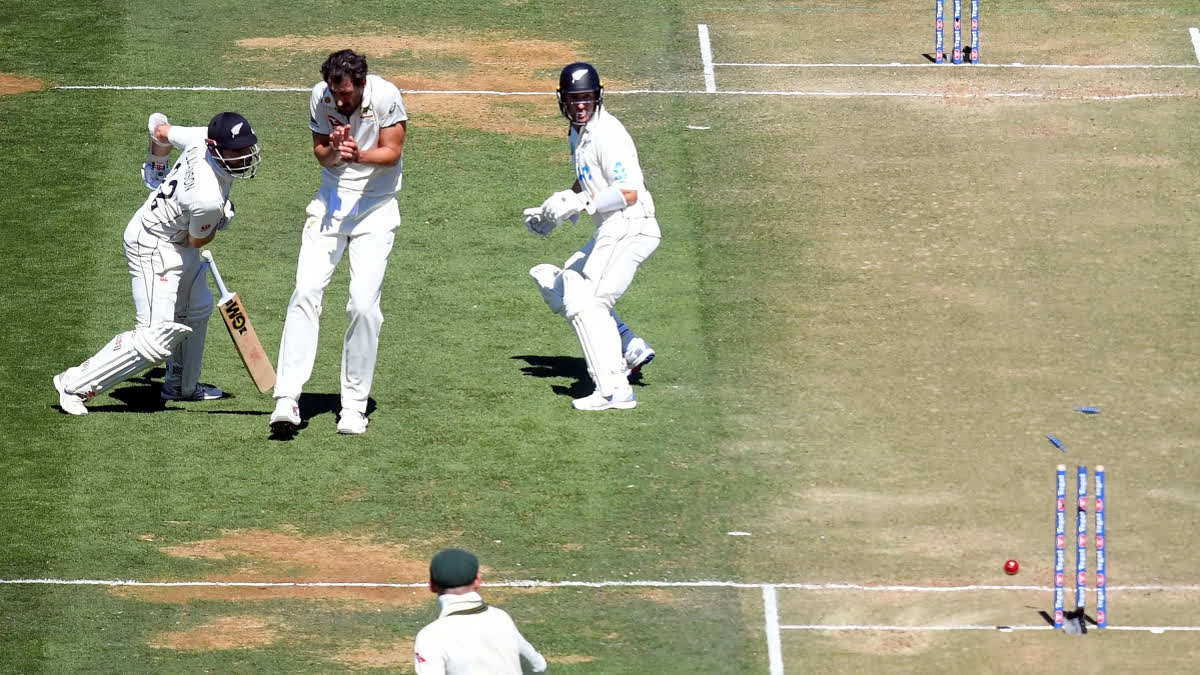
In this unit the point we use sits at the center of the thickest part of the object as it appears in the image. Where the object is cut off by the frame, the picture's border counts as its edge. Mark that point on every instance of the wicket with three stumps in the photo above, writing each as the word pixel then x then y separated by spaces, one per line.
pixel 1060 535
pixel 956 56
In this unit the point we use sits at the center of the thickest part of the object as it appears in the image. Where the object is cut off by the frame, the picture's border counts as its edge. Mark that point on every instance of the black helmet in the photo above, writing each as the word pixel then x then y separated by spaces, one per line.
pixel 578 78
pixel 233 144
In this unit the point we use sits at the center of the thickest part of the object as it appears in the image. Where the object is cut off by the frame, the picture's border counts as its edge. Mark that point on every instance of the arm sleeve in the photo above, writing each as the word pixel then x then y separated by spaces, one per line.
pixel 536 661
pixel 204 217
pixel 393 110
pixel 318 121
pixel 182 137
pixel 427 658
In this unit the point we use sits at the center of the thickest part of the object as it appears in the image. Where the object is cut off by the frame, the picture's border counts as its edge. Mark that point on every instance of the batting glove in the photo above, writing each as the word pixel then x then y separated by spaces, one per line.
pixel 535 223
pixel 228 217
pixel 153 174
pixel 563 205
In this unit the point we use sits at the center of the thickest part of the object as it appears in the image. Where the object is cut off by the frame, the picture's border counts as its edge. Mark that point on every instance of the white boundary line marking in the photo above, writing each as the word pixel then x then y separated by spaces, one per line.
pixel 1195 41
pixel 977 65
pixel 769 594
pixel 710 76
pixel 813 94
pixel 1001 628
pixel 774 641
pixel 533 583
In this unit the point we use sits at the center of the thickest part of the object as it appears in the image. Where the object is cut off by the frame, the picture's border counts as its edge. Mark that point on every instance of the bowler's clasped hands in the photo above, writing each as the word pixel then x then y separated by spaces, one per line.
pixel 345 144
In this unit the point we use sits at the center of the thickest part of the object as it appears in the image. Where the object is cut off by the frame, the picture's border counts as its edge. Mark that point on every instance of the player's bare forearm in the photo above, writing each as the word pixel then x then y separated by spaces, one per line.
pixel 324 150
pixel 327 156
pixel 389 149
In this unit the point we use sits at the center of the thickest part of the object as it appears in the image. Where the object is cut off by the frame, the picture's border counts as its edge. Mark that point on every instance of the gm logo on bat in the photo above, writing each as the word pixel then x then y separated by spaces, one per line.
pixel 234 316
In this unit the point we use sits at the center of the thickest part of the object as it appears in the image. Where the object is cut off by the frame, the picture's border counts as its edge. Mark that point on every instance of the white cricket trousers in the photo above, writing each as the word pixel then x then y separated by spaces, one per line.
pixel 369 243
pixel 612 257
pixel 169 284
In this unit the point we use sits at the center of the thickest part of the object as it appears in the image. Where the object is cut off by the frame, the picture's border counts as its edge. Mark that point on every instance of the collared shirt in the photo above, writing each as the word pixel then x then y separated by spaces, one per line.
pixel 471 638
pixel 191 198
pixel 382 106
pixel 604 155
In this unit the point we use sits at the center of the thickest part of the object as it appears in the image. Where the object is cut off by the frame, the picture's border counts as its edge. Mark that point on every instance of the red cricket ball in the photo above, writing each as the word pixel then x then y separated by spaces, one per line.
pixel 1011 567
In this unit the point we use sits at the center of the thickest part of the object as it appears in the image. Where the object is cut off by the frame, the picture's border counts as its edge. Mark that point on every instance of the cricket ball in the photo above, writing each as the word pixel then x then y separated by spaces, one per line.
pixel 1011 567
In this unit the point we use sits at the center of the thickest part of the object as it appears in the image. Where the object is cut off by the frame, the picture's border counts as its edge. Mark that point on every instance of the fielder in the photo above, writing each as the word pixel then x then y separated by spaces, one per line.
pixel 609 186
pixel 188 205
pixel 469 637
pixel 358 124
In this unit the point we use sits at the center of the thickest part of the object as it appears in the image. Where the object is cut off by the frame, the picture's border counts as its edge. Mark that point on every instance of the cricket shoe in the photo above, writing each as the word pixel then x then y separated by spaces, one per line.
pixel 597 401
pixel 202 392
pixel 637 355
pixel 286 416
pixel 351 422
pixel 71 404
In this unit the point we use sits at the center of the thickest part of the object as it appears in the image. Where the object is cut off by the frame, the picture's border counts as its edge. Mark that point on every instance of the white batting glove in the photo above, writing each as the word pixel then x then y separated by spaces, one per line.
pixel 563 205
pixel 228 217
pixel 156 120
pixel 535 223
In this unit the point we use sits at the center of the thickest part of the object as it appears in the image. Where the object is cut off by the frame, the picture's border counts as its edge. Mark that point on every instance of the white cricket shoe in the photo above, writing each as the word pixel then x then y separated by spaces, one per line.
pixel 637 355
pixel 598 401
pixel 71 404
pixel 202 392
pixel 287 414
pixel 352 422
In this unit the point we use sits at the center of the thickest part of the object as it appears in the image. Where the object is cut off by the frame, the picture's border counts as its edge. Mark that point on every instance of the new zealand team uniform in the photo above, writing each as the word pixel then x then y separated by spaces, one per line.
pixel 170 292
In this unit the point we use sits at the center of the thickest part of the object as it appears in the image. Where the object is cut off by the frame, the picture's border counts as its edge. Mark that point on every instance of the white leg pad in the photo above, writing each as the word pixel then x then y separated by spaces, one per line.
pixel 123 357
pixel 549 281
pixel 602 350
pixel 597 333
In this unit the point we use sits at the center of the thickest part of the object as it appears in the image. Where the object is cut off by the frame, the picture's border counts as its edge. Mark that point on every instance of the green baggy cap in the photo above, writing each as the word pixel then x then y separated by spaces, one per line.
pixel 453 567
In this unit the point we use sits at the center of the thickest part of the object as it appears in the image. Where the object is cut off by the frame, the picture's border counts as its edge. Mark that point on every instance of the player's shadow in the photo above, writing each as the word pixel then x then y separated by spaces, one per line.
pixel 932 57
pixel 139 394
pixel 315 405
pixel 1074 621
pixel 565 367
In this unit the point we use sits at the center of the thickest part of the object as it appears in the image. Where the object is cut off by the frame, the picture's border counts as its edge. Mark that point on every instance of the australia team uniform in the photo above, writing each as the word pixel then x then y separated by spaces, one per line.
pixel 355 210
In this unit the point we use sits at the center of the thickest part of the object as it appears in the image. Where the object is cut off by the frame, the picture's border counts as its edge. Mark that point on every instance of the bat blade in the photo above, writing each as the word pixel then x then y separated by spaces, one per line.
pixel 248 346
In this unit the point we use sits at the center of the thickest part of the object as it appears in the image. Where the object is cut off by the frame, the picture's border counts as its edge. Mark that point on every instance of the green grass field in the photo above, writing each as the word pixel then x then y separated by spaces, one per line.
pixel 879 289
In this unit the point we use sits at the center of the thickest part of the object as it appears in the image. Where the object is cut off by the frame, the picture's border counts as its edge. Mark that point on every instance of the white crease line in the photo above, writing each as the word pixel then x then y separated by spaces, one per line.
pixel 774 640
pixel 814 94
pixel 833 627
pixel 710 77
pixel 1101 66
pixel 1195 41
pixel 588 584
pixel 1001 628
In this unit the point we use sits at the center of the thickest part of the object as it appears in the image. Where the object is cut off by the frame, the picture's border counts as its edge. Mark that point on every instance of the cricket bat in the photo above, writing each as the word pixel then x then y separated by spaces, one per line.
pixel 237 320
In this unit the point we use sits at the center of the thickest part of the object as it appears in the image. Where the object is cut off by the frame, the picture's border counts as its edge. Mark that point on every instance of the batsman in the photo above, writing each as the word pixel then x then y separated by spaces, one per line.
pixel 187 206
pixel 608 186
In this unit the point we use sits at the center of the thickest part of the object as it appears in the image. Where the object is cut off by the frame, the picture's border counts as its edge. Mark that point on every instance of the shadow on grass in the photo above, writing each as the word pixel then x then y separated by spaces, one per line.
pixel 566 367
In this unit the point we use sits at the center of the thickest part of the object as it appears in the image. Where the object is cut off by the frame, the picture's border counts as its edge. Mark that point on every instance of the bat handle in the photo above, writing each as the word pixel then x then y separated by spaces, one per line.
pixel 212 267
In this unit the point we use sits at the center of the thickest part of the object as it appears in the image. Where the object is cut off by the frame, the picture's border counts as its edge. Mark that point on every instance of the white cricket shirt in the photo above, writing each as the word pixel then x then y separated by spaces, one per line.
pixel 382 106
pixel 474 643
pixel 604 155
pixel 191 198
